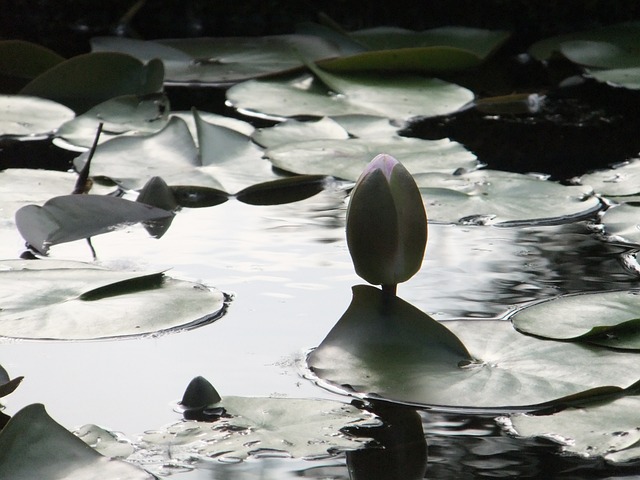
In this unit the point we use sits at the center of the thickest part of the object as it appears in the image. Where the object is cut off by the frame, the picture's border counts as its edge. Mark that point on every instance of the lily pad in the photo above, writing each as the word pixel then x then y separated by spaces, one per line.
pixel 25 60
pixel 223 61
pixel 400 96
pixel 439 50
pixel 384 347
pixel 292 130
pixel 7 385
pixel 610 430
pixel 131 114
pixel 347 158
pixel 33 445
pixel 503 198
pixel 76 301
pixel 264 427
pixel 73 217
pixel 89 79
pixel 31 117
pixel 604 318
pixel 621 180
pixel 622 223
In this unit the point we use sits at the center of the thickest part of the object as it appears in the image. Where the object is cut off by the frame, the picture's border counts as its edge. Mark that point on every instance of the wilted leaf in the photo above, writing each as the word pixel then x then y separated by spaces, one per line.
pixel 73 217
pixel 33 445
pixel 71 300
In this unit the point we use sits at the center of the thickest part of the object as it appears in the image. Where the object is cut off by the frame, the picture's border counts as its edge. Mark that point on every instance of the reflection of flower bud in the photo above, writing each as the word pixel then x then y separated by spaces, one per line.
pixel 386 223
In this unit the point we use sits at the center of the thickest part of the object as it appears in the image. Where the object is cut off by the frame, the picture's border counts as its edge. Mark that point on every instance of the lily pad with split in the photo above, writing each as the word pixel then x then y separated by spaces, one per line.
pixel 383 347
pixel 78 301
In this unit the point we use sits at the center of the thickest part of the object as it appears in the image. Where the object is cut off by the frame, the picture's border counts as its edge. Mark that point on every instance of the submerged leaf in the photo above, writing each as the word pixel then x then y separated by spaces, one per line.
pixel 81 301
pixel 383 347
pixel 73 217
pixel 33 445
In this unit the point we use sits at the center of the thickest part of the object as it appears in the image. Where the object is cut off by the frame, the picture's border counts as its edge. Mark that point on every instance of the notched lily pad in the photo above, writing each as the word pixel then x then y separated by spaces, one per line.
pixel 73 301
pixel 384 347
pixel 33 445
pixel 74 217
pixel 611 319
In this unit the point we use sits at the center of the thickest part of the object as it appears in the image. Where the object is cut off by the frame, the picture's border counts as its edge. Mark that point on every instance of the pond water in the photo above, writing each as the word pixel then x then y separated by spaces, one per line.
pixel 289 273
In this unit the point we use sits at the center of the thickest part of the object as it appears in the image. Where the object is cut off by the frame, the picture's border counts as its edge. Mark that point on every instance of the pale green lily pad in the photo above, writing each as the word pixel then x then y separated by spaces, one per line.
pixel 623 77
pixel 503 198
pixel 131 114
pixel 605 318
pixel 74 217
pixel 610 430
pixel 621 180
pixel 384 347
pixel 438 50
pixel 74 301
pixel 33 445
pixel 347 158
pixel 397 97
pixel 89 79
pixel 28 116
pixel 602 55
pixel 622 35
pixel 291 131
pixel 263 427
pixel 223 60
pixel 622 223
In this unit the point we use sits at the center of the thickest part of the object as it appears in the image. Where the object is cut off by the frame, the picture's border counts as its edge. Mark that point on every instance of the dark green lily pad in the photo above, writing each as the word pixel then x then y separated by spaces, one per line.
pixel 7 385
pixel 400 96
pixel 605 318
pixel 609 431
pixel 439 50
pixel 347 158
pixel 73 301
pixel 503 198
pixel 223 61
pixel 25 60
pixel 285 190
pixel 33 445
pixel 31 117
pixel 89 79
pixel 73 217
pixel 384 347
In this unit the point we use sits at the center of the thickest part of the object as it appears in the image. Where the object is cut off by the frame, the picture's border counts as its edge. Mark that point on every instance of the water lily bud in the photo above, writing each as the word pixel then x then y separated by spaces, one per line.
pixel 386 223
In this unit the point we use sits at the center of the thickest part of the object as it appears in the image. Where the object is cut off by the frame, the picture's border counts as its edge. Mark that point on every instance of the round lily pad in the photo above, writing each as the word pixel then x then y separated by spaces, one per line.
pixel 503 198
pixel 74 301
pixel 604 318
pixel 31 117
pixel 622 223
pixel 620 180
pixel 384 347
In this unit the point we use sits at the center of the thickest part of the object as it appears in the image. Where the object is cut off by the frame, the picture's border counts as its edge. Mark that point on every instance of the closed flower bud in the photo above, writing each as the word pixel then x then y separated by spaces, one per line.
pixel 386 223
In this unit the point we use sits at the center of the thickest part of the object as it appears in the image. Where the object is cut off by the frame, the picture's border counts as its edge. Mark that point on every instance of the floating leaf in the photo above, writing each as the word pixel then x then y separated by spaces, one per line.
pixel 72 300
pixel 384 347
pixel 621 180
pixel 27 116
pixel 439 50
pixel 7 385
pixel 347 158
pixel 503 198
pixel 285 190
pixel 622 223
pixel 599 54
pixel 33 445
pixel 73 217
pixel 26 60
pixel 125 114
pixel 604 318
pixel 397 97
pixel 223 60
pixel 291 131
pixel 264 427
pixel 86 80
pixel 609 430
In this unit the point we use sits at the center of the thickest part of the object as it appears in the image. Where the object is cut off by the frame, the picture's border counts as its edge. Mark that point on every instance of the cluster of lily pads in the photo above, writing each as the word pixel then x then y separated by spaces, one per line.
pixel 334 109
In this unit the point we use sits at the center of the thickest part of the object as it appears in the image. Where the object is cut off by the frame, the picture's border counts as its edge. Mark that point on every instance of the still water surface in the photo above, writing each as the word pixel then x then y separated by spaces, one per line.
pixel 289 273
